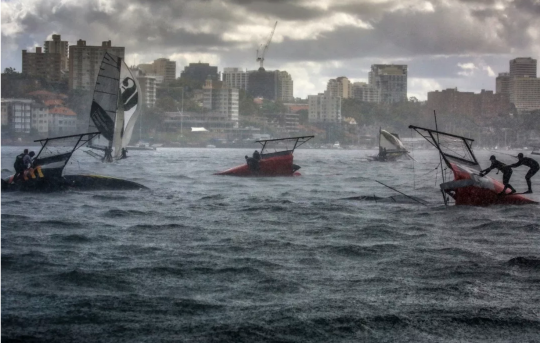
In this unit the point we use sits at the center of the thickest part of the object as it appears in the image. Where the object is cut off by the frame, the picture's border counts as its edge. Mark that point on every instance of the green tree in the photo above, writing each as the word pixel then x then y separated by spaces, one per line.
pixel 246 106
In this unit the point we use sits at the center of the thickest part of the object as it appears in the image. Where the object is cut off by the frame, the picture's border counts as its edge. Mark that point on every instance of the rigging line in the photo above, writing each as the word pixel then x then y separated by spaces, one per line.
pixel 412 150
pixel 408 196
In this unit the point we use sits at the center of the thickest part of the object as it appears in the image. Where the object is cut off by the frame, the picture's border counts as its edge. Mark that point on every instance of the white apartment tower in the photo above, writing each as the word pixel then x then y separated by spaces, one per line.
pixel 235 78
pixel 221 99
pixel 340 86
pixel 84 63
pixel 390 81
pixel 285 87
pixel 364 92
pixel 324 108
pixel 57 45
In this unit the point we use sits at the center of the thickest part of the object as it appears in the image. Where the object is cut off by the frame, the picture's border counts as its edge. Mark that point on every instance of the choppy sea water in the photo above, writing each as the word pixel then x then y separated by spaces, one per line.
pixel 204 258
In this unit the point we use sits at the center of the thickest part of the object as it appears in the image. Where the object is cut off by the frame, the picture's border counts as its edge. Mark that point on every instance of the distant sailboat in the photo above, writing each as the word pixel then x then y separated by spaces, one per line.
pixel 393 146
pixel 115 107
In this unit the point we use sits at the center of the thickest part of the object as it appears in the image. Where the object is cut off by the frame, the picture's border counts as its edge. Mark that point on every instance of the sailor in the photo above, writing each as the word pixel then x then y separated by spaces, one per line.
pixel 124 153
pixel 506 170
pixel 252 163
pixel 256 155
pixel 108 155
pixel 27 160
pixel 532 164
pixel 19 164
pixel 382 154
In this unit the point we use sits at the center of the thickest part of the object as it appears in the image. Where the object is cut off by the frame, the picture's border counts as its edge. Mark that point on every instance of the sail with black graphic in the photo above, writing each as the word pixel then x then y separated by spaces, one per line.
pixel 115 107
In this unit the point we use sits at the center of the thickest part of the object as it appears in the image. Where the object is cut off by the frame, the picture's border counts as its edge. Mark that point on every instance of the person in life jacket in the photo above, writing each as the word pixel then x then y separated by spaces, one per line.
pixel 506 170
pixel 19 164
pixel 27 160
pixel 532 164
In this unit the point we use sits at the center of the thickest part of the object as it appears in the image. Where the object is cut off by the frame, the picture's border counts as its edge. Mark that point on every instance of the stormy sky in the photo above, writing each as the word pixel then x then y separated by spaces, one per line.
pixel 445 43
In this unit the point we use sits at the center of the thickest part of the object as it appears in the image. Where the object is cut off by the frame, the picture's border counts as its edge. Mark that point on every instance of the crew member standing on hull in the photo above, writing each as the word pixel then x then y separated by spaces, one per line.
pixel 19 164
pixel 532 164
pixel 506 170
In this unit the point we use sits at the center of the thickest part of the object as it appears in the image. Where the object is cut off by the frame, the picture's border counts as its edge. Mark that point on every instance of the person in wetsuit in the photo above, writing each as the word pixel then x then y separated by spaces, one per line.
pixel 108 155
pixel 532 164
pixel 382 154
pixel 252 163
pixel 19 164
pixel 506 170
pixel 124 153
pixel 256 155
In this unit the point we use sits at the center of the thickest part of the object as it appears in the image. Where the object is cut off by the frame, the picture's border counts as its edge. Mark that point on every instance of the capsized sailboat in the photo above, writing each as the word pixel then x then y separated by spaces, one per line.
pixel 276 159
pixel 115 107
pixel 390 147
pixel 467 188
pixel 48 166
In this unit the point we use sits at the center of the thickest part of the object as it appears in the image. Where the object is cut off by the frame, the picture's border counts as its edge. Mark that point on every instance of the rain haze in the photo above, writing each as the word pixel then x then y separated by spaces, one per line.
pixel 368 173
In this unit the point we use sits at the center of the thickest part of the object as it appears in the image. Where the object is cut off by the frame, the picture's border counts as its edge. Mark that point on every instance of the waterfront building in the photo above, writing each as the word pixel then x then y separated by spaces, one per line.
pixel 221 99
pixel 525 93
pixel 390 81
pixel 85 61
pixel 200 72
pixel 364 92
pixel 58 46
pixel 324 108
pixel 502 84
pixel 340 86
pixel 45 65
pixel 284 86
pixel 162 70
pixel 235 78
pixel 523 67
pixel 263 84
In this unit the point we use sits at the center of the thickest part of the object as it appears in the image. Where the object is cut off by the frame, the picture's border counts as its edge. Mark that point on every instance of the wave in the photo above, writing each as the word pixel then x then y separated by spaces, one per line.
pixel 114 213
pixel 529 262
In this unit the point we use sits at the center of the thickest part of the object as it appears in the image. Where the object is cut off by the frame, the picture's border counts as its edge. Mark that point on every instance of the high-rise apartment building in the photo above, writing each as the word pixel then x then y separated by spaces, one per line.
pixel 502 84
pixel 147 86
pixel 525 93
pixel 284 87
pixel 324 108
pixel 451 102
pixel 200 72
pixel 221 99
pixel 263 84
pixel 84 63
pixel 390 81
pixel 364 92
pixel 235 78
pixel 45 65
pixel 162 69
pixel 58 46
pixel 523 67
pixel 340 86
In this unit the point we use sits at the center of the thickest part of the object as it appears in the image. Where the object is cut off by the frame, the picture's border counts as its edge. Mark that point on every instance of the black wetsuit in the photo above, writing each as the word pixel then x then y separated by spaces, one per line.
pixel 532 164
pixel 506 170
pixel 256 155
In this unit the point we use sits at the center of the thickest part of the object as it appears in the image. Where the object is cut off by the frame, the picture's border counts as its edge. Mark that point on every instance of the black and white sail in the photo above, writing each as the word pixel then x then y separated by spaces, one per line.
pixel 115 105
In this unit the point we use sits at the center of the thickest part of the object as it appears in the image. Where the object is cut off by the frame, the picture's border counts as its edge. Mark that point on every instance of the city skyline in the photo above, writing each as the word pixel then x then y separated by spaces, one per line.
pixel 463 44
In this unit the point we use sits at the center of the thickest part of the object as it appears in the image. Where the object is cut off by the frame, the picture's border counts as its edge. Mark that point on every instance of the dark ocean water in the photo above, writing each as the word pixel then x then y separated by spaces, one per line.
pixel 204 258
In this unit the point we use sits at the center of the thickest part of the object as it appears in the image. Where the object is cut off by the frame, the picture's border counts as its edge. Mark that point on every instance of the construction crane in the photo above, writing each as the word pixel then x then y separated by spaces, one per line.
pixel 262 49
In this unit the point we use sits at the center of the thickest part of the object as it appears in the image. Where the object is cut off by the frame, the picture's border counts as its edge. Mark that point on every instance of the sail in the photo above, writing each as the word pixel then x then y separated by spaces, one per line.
pixel 105 99
pixel 390 142
pixel 115 106
pixel 131 104
pixel 56 151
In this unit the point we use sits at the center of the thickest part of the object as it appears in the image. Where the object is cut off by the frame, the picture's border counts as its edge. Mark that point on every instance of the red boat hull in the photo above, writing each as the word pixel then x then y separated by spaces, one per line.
pixel 483 191
pixel 272 166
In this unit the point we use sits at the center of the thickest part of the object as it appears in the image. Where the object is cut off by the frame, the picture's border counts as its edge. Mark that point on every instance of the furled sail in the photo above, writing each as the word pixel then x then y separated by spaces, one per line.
pixel 115 106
